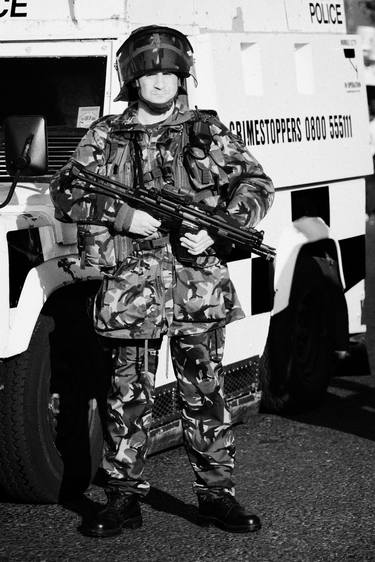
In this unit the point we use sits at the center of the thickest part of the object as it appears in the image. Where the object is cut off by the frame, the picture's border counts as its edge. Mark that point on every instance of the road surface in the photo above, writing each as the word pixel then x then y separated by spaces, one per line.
pixel 311 479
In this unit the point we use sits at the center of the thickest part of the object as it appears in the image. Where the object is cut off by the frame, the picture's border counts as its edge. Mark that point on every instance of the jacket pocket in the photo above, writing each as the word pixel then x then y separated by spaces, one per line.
pixel 96 246
pixel 129 300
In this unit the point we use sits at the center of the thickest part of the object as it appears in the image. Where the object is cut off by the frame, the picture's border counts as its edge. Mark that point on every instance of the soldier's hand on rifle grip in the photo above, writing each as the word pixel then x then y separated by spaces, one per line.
pixel 142 223
pixel 196 243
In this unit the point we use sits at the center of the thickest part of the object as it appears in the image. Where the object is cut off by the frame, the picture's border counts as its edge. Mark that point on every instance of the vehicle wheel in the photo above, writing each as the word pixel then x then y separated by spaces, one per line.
pixel 312 353
pixel 50 397
pixel 304 337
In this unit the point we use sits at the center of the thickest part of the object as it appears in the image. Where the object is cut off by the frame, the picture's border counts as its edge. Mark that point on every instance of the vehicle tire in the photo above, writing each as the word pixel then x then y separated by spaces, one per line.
pixel 299 359
pixel 50 400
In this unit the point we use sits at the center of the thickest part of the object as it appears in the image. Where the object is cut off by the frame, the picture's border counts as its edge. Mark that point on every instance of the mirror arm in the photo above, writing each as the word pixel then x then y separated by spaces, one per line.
pixel 21 163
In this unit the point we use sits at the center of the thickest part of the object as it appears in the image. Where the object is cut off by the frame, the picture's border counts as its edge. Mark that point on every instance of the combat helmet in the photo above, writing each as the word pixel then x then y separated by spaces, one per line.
pixel 152 49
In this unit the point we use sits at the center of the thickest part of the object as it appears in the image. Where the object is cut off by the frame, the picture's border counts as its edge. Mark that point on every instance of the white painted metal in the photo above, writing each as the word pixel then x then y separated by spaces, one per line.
pixel 313 134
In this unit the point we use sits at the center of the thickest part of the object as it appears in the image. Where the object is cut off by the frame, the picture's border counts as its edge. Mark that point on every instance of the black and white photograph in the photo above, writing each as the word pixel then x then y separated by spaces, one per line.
pixel 187 281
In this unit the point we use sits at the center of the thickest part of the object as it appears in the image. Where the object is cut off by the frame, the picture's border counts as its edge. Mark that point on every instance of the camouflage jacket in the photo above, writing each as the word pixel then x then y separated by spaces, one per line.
pixel 222 173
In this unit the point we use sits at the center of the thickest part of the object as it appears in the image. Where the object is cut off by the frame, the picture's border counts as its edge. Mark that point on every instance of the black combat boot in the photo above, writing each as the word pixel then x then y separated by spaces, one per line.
pixel 122 510
pixel 225 512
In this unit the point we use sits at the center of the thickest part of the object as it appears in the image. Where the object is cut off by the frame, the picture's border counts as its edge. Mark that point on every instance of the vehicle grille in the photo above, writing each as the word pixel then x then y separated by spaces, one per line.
pixel 241 378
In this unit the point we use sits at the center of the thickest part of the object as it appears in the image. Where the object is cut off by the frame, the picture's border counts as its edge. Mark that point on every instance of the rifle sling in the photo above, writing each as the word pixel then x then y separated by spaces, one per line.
pixel 138 164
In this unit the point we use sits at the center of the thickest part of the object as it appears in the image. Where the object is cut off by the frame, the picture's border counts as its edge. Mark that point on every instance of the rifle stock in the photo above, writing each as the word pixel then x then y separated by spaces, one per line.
pixel 174 209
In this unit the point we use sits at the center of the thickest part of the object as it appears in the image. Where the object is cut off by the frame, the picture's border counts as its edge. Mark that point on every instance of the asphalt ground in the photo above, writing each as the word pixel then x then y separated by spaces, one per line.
pixel 310 478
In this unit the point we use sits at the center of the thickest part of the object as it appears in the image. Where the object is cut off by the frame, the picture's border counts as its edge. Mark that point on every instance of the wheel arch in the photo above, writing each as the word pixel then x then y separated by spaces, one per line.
pixel 299 233
pixel 310 315
pixel 41 283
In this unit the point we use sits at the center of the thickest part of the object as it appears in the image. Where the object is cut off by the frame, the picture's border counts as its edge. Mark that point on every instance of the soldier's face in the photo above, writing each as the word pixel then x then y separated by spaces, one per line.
pixel 159 87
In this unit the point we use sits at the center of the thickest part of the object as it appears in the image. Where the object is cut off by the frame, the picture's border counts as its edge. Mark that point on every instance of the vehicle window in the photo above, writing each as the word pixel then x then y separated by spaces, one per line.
pixel 55 87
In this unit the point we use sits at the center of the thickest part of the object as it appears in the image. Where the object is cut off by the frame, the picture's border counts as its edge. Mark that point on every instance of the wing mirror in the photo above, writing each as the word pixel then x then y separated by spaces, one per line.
pixel 25 140
pixel 25 145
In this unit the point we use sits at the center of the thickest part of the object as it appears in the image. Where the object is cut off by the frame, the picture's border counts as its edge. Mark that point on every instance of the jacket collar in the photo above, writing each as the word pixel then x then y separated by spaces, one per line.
pixel 128 119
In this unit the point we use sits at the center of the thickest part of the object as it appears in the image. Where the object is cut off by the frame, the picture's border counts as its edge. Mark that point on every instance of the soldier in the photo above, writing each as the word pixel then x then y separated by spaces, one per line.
pixel 158 283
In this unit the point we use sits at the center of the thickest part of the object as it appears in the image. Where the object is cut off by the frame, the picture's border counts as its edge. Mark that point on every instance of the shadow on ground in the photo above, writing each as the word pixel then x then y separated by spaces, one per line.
pixel 351 408
pixel 162 501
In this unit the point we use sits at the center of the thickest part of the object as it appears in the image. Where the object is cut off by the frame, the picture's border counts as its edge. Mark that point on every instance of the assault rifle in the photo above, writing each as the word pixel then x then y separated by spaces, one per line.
pixel 175 210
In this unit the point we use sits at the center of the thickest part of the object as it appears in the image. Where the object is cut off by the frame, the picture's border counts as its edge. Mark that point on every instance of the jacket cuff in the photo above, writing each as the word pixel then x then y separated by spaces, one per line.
pixel 124 217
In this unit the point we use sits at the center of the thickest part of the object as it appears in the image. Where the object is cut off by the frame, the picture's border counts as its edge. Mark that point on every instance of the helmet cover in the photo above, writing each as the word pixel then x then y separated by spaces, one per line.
pixel 153 49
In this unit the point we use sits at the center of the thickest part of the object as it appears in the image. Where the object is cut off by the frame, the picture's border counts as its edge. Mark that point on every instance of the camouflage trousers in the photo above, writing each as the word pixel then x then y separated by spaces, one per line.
pixel 205 416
